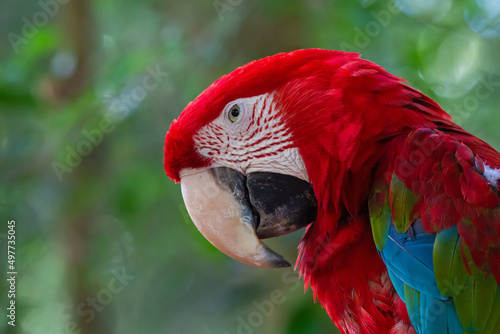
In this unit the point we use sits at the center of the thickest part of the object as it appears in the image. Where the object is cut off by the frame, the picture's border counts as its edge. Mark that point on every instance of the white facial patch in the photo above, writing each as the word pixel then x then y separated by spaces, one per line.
pixel 256 141
pixel 492 175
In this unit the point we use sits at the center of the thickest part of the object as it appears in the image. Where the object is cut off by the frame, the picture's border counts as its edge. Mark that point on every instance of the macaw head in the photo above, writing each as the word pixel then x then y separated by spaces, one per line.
pixel 254 150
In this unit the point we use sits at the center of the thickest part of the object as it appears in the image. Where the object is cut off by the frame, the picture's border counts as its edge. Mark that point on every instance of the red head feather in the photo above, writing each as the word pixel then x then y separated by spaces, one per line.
pixel 255 78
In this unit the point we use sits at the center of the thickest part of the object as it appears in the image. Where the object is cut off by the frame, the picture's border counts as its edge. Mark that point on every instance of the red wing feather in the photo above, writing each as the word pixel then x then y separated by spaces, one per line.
pixel 448 176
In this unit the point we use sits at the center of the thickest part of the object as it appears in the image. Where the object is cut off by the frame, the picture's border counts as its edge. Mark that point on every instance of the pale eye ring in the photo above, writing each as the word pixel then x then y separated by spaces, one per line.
pixel 234 113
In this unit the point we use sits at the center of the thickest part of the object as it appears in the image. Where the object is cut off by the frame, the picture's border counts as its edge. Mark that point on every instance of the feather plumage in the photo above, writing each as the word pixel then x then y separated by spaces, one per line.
pixel 407 200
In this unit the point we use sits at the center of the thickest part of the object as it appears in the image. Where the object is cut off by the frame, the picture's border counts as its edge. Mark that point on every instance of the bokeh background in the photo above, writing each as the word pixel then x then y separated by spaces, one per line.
pixel 87 91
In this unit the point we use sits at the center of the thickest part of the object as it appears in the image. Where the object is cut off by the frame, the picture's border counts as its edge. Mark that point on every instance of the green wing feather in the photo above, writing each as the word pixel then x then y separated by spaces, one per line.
pixel 412 301
pixel 449 268
pixel 403 202
pixel 380 215
pixel 474 303
pixel 493 325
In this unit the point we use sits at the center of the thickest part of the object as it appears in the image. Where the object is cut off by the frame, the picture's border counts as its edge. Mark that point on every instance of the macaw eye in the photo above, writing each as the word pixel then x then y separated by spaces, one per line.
pixel 234 113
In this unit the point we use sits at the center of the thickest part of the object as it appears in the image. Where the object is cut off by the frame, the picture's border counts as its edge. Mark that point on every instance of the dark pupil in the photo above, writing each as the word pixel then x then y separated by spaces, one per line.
pixel 235 112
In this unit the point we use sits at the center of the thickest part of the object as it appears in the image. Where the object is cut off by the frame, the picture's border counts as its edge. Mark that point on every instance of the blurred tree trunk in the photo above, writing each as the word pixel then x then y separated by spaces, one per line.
pixel 84 184
pixel 79 32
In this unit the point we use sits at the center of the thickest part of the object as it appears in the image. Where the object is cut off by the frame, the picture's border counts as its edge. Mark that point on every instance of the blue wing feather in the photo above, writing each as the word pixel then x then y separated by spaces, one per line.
pixel 409 261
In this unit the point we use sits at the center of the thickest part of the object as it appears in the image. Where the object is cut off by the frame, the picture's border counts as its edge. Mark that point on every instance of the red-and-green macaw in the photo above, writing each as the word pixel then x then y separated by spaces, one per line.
pixel 401 204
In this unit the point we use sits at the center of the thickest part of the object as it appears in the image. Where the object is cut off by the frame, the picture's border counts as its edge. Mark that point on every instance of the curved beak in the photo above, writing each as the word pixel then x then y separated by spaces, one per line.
pixel 233 210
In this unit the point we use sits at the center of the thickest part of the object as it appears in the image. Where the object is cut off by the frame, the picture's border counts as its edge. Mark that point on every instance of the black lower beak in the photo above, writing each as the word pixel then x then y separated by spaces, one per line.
pixel 284 203
pixel 234 211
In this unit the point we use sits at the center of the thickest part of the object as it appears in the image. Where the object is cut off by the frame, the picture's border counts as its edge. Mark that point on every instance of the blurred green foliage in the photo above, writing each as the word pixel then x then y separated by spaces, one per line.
pixel 104 244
